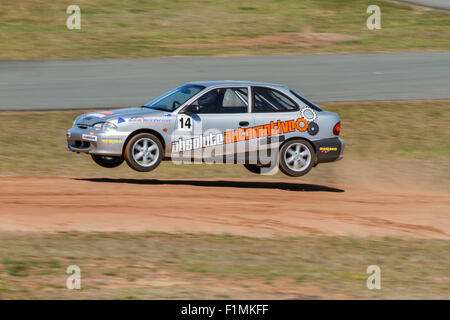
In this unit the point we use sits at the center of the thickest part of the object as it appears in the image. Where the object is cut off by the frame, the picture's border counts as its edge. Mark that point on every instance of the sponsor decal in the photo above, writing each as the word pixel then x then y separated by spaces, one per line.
pixel 91 115
pixel 106 112
pixel 327 149
pixel 136 118
pixel 273 128
pixel 142 120
pixel 120 120
pixel 108 141
pixel 185 123
pixel 89 137
pixel 197 142
pixel 309 114
pixel 313 128
pixel 270 129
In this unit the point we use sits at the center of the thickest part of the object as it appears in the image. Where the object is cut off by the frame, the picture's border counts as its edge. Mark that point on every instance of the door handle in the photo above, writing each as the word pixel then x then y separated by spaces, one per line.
pixel 243 123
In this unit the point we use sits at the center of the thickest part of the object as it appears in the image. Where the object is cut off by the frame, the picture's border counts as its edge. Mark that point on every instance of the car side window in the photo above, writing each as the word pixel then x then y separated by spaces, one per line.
pixel 223 100
pixel 268 100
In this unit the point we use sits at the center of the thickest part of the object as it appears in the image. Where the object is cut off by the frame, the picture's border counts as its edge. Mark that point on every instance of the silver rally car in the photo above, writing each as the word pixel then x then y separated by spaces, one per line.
pixel 260 125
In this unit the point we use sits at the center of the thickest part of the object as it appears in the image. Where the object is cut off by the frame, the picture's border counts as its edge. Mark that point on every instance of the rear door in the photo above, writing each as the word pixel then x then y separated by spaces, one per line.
pixel 275 115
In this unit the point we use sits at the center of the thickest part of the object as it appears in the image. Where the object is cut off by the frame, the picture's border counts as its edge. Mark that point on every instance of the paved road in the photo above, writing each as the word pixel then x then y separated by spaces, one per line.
pixel 132 82
pixel 440 4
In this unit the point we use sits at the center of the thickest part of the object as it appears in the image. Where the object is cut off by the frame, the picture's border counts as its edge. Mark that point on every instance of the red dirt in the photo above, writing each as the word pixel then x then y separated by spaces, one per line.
pixel 243 207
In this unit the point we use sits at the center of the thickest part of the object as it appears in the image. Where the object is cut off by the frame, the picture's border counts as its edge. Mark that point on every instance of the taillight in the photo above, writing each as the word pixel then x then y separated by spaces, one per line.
pixel 337 128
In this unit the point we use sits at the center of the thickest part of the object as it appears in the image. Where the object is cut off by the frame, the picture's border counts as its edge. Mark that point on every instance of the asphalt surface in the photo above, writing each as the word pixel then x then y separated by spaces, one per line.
pixel 439 4
pixel 132 82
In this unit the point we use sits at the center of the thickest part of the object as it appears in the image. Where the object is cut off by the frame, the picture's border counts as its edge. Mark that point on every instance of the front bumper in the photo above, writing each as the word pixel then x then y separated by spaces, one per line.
pixel 95 142
pixel 328 150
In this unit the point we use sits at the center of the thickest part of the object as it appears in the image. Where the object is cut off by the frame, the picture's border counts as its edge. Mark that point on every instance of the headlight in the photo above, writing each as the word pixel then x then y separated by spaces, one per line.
pixel 109 126
pixel 98 126
pixel 104 126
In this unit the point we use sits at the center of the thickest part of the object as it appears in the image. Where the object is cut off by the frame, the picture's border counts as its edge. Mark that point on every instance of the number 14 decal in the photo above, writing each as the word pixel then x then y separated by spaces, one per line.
pixel 184 123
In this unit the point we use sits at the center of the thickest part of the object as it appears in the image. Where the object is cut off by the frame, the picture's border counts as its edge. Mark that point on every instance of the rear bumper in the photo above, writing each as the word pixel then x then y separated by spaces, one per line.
pixel 329 150
pixel 94 142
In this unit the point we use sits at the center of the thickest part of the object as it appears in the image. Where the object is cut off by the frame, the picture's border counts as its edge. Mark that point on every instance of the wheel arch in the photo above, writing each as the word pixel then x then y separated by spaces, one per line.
pixel 144 130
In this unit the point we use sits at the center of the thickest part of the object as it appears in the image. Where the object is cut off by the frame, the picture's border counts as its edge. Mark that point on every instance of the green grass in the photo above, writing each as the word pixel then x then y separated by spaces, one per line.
pixel 160 265
pixel 392 140
pixel 134 28
pixel 389 129
pixel 15 268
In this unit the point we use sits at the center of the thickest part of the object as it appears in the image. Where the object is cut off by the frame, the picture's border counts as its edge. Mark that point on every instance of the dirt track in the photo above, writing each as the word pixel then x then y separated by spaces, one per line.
pixel 253 208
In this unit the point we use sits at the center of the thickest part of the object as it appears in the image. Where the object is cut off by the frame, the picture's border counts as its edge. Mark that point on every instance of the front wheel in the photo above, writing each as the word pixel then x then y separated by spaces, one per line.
pixel 107 161
pixel 296 157
pixel 144 152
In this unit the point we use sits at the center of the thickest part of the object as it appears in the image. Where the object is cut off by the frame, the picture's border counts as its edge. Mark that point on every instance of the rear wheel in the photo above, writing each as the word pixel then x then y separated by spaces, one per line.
pixel 144 152
pixel 107 161
pixel 296 157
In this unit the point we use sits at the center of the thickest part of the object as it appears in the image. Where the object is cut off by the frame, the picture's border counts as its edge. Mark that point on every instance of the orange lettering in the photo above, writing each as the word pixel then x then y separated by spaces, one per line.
pixel 285 126
pixel 291 125
pixel 272 125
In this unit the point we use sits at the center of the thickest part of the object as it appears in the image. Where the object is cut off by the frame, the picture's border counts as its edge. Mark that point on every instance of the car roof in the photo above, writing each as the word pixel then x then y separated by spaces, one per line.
pixel 236 83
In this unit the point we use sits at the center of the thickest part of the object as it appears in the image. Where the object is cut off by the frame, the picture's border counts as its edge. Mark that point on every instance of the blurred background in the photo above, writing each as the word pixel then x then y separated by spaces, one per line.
pixel 218 231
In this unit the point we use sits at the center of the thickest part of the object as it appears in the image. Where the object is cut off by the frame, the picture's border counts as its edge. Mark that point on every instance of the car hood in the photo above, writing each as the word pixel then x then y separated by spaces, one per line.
pixel 116 115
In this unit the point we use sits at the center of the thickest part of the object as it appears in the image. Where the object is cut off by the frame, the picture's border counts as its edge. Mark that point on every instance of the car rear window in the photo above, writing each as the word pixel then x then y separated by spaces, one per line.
pixel 306 101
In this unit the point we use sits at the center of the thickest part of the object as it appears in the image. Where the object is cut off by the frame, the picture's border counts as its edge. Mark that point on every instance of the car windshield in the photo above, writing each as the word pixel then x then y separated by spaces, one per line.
pixel 172 99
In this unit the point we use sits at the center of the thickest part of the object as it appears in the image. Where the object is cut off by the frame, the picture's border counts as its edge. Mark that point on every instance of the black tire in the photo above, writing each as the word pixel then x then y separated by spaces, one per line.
pixel 256 168
pixel 107 161
pixel 132 153
pixel 286 167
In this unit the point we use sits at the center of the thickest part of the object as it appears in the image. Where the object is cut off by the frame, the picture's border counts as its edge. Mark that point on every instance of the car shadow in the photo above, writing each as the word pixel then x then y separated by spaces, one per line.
pixel 221 183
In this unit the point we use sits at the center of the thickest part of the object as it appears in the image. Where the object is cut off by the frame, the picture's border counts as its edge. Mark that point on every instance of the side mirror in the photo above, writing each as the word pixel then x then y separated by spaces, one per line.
pixel 191 109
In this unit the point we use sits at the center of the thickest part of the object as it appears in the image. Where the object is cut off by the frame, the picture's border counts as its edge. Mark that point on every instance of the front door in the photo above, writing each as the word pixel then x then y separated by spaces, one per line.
pixel 217 121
